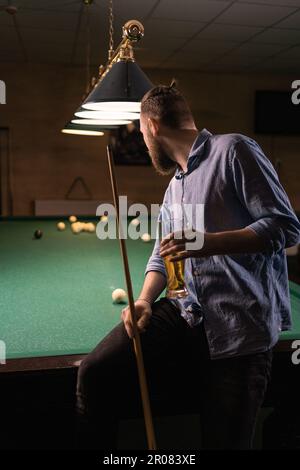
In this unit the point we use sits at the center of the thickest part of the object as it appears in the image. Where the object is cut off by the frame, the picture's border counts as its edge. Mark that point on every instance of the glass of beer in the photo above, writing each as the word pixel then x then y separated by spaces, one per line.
pixel 175 278
pixel 175 269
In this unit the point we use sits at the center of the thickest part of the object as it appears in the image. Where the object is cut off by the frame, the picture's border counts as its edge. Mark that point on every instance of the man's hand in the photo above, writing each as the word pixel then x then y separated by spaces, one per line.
pixel 143 313
pixel 176 247
pixel 244 240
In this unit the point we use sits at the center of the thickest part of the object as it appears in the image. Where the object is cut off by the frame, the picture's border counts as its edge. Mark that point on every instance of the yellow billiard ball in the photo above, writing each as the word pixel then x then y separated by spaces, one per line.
pixel 61 226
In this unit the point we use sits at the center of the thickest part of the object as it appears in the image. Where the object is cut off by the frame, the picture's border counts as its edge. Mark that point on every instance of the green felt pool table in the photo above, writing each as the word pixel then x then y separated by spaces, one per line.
pixel 55 306
pixel 55 302
pixel 56 291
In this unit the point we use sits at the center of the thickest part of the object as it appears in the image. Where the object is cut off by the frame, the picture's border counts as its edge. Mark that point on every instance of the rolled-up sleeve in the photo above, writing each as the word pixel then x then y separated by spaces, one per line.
pixel 156 262
pixel 259 190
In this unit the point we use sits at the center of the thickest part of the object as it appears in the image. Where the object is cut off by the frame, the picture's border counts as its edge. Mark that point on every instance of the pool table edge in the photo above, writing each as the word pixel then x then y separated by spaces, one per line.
pixel 54 363
pixel 39 364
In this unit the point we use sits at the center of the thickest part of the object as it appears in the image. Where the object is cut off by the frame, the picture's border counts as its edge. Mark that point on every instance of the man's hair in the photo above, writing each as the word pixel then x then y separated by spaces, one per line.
pixel 168 105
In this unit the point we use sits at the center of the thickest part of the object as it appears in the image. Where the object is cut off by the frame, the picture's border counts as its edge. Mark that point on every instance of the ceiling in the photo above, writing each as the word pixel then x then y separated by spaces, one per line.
pixel 206 35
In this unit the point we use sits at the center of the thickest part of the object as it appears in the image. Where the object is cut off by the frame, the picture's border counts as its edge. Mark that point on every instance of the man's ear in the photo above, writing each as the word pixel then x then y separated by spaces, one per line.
pixel 153 126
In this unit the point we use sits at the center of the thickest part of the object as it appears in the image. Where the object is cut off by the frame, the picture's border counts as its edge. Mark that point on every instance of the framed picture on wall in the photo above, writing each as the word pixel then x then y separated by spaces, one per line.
pixel 128 145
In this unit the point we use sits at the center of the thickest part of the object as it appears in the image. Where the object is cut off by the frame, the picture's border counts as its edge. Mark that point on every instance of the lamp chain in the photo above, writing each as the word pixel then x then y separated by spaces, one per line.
pixel 88 48
pixel 111 30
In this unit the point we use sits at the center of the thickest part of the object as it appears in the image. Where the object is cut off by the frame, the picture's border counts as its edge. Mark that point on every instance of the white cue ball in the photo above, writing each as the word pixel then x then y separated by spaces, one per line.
pixel 119 296
pixel 61 226
pixel 146 237
pixel 135 222
pixel 72 219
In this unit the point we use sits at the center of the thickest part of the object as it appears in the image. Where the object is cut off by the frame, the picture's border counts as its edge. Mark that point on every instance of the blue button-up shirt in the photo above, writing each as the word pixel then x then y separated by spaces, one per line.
pixel 243 299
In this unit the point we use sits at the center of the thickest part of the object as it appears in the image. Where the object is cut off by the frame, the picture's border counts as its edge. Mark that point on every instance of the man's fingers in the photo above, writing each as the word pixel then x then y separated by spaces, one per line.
pixel 172 249
pixel 128 327
pixel 143 322
pixel 181 255
pixel 125 317
pixel 167 239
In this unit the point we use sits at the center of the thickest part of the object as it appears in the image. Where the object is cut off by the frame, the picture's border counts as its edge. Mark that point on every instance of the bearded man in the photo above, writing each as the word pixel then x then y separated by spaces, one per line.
pixel 213 347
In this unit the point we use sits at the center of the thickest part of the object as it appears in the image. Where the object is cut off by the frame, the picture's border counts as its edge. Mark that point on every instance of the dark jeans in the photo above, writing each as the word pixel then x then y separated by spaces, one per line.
pixel 227 392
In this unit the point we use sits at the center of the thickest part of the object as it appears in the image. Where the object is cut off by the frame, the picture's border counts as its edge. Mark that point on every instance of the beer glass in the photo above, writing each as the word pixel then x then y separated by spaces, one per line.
pixel 175 269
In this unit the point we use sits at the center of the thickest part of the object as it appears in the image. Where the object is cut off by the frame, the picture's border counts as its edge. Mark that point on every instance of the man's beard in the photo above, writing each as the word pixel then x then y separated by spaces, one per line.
pixel 160 159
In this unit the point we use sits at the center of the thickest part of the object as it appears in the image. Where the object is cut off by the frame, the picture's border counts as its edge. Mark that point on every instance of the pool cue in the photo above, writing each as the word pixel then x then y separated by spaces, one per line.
pixel 136 335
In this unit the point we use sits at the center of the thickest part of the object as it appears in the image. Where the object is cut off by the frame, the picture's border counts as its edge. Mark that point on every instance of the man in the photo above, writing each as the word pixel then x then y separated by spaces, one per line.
pixel 214 346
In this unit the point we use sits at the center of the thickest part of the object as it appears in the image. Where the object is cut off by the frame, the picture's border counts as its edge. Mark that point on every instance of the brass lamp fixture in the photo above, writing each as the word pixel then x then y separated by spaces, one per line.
pixel 121 83
pixel 89 127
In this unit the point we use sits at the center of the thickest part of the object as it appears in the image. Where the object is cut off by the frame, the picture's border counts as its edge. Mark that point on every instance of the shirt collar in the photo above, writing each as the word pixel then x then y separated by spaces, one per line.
pixel 195 154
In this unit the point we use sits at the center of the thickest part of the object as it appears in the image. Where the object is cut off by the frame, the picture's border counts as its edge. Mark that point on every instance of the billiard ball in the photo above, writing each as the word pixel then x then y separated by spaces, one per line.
pixel 72 219
pixel 61 226
pixel 146 237
pixel 83 226
pixel 90 227
pixel 104 218
pixel 76 227
pixel 38 234
pixel 119 296
pixel 135 222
